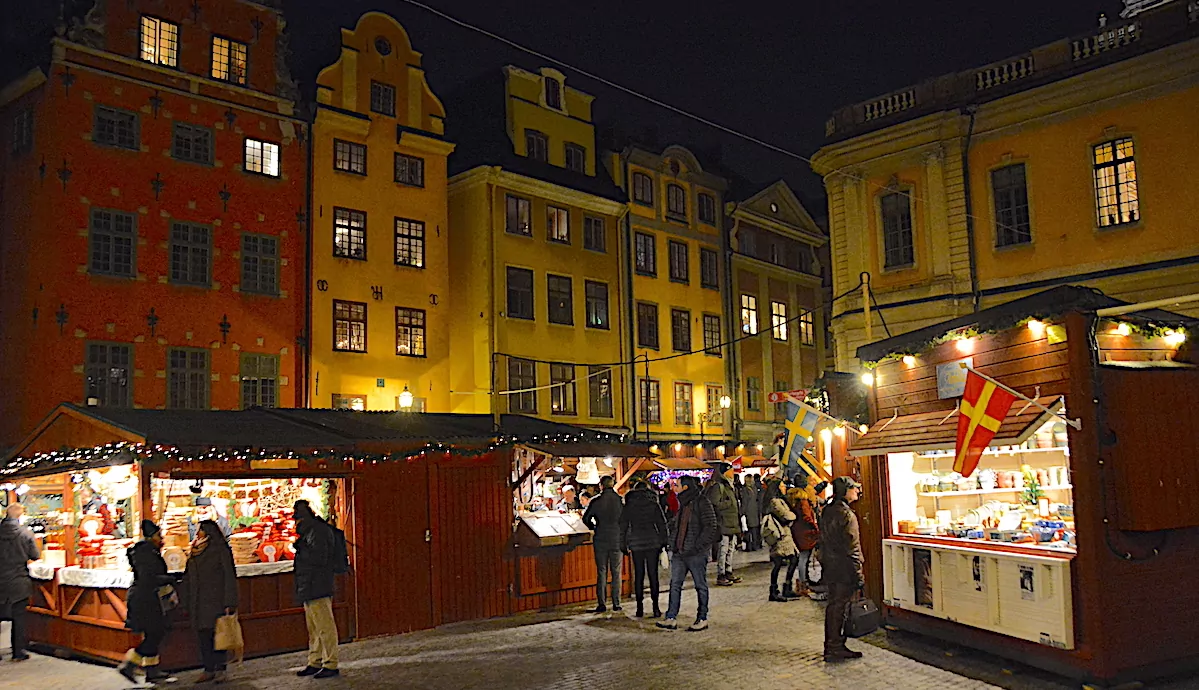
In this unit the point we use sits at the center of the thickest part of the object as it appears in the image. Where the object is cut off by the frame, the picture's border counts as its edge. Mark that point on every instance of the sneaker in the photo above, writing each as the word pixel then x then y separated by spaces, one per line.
pixel 723 581
pixel 598 609
pixel 308 671
pixel 734 579
pixel 327 673
pixel 775 596
pixel 668 624
pixel 699 624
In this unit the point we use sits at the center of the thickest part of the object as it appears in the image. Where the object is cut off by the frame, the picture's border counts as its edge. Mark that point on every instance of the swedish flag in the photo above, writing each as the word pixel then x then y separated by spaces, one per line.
pixel 802 421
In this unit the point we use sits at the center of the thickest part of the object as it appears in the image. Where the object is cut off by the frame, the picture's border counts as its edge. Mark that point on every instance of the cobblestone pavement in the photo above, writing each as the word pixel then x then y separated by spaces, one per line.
pixel 752 643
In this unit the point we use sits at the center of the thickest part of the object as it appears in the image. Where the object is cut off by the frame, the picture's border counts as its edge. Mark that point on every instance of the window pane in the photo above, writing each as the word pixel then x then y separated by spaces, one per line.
pixel 520 293
pixel 561 301
pixel 410 332
pixel 562 395
pixel 349 234
pixel 898 249
pixel 599 384
pixel 680 330
pixel 647 325
pixel 383 99
pixel 597 305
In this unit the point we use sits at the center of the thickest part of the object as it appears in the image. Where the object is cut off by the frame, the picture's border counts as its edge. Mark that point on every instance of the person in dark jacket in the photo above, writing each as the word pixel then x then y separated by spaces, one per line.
pixel 749 494
pixel 603 518
pixel 723 496
pixel 314 587
pixel 643 533
pixel 841 561
pixel 693 531
pixel 152 592
pixel 17 548
pixel 210 591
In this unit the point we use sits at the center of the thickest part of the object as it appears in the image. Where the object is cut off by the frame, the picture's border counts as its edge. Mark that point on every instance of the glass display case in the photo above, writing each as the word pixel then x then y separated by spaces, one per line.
pixel 551 528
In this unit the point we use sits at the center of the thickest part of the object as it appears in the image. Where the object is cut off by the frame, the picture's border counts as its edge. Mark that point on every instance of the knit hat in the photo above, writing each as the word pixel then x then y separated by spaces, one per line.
pixel 842 485
pixel 149 529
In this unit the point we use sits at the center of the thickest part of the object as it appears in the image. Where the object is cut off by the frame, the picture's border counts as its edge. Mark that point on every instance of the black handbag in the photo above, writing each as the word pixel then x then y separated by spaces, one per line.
pixel 863 619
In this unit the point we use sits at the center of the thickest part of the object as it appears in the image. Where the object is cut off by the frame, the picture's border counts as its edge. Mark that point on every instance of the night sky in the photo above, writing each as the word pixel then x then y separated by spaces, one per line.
pixel 774 70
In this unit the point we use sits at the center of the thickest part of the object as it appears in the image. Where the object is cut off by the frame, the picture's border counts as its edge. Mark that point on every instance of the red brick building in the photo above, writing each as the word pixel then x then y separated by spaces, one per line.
pixel 152 225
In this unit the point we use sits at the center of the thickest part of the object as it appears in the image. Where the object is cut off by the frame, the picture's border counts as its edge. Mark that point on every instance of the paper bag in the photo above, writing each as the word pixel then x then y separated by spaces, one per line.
pixel 227 637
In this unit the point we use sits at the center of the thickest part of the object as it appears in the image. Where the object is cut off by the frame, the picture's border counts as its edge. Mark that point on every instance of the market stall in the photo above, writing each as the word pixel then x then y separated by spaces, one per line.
pixel 1019 556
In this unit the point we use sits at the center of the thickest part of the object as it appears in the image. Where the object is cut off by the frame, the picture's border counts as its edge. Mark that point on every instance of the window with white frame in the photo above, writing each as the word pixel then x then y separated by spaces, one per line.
pixel 349 326
pixel 409 170
pixel 1116 183
pixel 349 234
pixel 410 243
pixel 557 224
pixel 262 157
pixel 778 320
pixel 749 314
pixel 159 41
pixel 349 156
pixel 410 332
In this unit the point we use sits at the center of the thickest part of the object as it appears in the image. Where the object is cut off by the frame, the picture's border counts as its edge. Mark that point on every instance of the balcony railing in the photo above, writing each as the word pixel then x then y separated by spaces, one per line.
pixel 1003 73
pixel 1105 41
pixel 889 105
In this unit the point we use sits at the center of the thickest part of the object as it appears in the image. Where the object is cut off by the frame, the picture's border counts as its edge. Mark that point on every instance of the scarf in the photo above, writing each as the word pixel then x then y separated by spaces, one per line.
pixel 684 522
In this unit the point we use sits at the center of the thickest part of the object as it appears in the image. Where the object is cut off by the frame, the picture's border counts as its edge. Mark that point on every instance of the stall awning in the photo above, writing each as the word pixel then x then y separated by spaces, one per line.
pixel 682 464
pixel 932 431
pixel 591 450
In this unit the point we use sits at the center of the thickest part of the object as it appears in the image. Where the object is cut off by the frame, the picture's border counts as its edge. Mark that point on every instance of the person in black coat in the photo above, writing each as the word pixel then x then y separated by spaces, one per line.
pixel 210 591
pixel 643 533
pixel 150 595
pixel 314 587
pixel 603 518
pixel 17 548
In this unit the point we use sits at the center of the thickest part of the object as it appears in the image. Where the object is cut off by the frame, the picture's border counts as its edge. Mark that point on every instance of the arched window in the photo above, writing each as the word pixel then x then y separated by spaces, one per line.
pixel 553 93
pixel 676 202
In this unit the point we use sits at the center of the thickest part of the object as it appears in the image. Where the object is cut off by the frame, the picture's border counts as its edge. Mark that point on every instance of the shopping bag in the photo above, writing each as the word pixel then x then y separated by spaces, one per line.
pixel 168 598
pixel 663 560
pixel 815 572
pixel 864 618
pixel 227 637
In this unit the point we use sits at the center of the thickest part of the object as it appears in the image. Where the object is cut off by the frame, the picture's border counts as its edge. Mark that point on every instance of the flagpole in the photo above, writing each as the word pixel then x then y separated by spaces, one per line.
pixel 838 422
pixel 1076 423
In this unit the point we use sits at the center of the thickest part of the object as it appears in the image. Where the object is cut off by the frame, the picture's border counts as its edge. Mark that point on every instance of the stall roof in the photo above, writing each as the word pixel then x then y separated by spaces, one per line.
pixel 592 450
pixel 682 464
pixel 1042 305
pixel 925 431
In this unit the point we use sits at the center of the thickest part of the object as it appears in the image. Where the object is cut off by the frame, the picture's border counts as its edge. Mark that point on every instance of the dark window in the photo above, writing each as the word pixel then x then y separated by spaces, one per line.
pixel 709 269
pixel 595 235
pixel 683 393
pixel 259 264
pixel 807 329
pixel 715 411
pixel 108 374
pixel 261 157
pixel 349 326
pixel 347 401
pixel 410 332
pixel 383 99
pixel 520 293
pixel 647 325
pixel 553 93
pixel 113 243
pixel 576 158
pixel 651 401
pixel 22 130
pixel 676 202
pixel 562 395
pixel 645 259
pixel 748 242
pixel 643 189
pixel 753 393
pixel 712 334
pixel 349 157
pixel 557 224
pixel 597 304
pixel 187 379
pixel 599 385
pixel 1010 189
pixel 537 145
pixel 191 251
pixel 561 299
pixel 679 269
pixel 113 127
pixel 349 234
pixel 1116 183
pixel 522 376
pixel 192 143
pixel 680 330
pixel 780 408
pixel 410 170
pixel 518 215
pixel 706 209
pixel 228 60
pixel 898 249
pixel 159 41
pixel 259 380
pixel 410 243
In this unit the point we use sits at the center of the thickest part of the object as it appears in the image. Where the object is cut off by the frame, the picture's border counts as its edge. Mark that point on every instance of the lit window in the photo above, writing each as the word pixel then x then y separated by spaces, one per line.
pixel 557 224
pixel 349 234
pixel 349 326
pixel 563 394
pixel 410 243
pixel 349 157
pixel 749 314
pixel 778 320
pixel 807 329
pixel 410 332
pixel 1116 183
pixel 262 157
pixel 228 60
pixel 160 42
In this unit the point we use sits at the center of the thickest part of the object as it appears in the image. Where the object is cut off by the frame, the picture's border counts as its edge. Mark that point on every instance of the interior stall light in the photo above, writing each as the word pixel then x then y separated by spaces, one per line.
pixel 759 446
pixel 867 379
pixel 608 462
pixel 826 435
pixel 654 448
pixel 839 431
pixel 864 428
pixel 720 449
pixel 678 447
pixel 909 360
pixel 1175 338
pixel 965 345
pixel 1037 327
pixel 22 489
pixel 699 446
pixel 1123 329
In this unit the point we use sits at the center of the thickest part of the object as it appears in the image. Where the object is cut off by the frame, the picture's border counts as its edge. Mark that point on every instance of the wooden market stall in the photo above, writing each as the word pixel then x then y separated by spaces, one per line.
pixel 1062 549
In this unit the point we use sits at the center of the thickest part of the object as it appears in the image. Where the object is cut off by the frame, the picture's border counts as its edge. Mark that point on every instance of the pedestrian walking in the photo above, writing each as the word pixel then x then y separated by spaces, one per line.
pixel 643 533
pixel 149 598
pixel 210 591
pixel 314 588
pixel 723 497
pixel 17 548
pixel 752 512
pixel 776 531
pixel 841 562
pixel 805 531
pixel 603 518
pixel 693 530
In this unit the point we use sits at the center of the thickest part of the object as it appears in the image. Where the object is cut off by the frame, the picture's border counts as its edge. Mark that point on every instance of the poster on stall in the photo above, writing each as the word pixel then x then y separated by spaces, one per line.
pixel 922 577
pixel 1028 587
pixel 978 575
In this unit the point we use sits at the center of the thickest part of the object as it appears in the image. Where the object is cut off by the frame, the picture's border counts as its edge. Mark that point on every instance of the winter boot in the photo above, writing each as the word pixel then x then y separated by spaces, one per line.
pixel 657 610
pixel 774 595
pixel 640 609
pixel 156 675
pixel 789 593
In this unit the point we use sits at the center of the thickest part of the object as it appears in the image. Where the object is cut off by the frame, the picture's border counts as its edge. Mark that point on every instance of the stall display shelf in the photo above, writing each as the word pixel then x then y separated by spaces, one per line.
pixel 95 578
pixel 978 492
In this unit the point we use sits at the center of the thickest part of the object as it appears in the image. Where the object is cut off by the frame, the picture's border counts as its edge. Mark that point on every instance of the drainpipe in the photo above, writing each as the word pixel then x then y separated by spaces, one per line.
pixel 733 330
pixel 971 250
pixel 305 359
pixel 631 337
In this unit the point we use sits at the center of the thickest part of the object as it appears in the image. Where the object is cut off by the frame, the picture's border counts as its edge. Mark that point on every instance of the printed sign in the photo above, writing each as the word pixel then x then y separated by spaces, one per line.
pixel 979 585
pixel 1028 586
pixel 951 378
pixel 922 576
pixel 781 396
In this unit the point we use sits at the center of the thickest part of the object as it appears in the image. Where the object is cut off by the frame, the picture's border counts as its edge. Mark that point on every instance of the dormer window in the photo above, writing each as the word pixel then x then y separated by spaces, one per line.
pixel 553 93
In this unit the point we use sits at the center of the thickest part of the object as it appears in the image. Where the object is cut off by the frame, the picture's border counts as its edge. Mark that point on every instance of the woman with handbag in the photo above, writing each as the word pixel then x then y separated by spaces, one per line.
pixel 210 588
pixel 150 596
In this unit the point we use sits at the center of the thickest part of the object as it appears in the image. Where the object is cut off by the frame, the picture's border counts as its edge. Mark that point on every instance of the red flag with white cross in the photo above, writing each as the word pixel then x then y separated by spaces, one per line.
pixel 983 408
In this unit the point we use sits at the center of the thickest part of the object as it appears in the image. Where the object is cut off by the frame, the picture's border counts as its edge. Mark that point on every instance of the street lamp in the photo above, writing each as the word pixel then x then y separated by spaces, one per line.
pixel 725 403
pixel 406 400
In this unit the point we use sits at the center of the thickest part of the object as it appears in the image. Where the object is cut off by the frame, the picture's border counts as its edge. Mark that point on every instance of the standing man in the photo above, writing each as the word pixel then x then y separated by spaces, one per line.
pixel 693 530
pixel 841 560
pixel 314 587
pixel 603 518
pixel 17 548
pixel 752 511
pixel 723 496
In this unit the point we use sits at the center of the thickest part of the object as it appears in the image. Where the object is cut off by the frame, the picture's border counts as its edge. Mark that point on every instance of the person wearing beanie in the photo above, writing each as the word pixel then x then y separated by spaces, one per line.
pixel 841 559
pixel 150 596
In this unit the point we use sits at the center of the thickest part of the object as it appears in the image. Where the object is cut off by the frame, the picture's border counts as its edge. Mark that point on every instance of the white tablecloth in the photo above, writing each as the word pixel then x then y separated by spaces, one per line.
pixel 86 577
pixel 41 571
pixel 252 569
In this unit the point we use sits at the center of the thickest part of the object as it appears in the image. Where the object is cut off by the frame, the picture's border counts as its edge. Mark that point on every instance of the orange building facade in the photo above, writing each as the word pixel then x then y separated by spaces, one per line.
pixel 152 214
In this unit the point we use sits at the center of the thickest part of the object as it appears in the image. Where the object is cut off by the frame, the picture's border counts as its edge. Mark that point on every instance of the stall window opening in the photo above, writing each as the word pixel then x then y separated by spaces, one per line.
pixel 562 395
pixel 600 391
pixel 522 377
pixel 259 380
pixel 108 373
pixel 187 378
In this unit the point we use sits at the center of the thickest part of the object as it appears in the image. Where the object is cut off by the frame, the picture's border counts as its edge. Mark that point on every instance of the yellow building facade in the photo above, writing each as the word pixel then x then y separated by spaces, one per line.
pixel 677 305
pixel 1065 165
pixel 380 311
pixel 535 255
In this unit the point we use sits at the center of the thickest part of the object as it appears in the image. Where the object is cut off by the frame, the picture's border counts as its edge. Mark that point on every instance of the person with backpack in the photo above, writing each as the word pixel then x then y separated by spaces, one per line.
pixel 316 562
pixel 776 532
pixel 693 531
